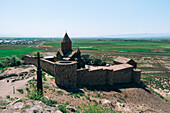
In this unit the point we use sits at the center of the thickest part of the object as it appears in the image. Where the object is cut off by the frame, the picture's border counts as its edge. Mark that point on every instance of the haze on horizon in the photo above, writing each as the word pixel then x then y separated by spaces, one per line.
pixel 83 18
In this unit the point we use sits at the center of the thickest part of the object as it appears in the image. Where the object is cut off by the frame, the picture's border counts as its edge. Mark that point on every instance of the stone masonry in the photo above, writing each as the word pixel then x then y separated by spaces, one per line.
pixel 69 77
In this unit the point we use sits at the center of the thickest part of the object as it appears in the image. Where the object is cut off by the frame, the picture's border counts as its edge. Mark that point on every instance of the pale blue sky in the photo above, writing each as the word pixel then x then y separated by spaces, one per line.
pixel 83 17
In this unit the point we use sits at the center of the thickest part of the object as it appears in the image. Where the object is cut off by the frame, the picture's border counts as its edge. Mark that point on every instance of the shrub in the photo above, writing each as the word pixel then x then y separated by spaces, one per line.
pixel 28 90
pixel 21 91
pixel 46 101
pixel 1 64
pixel 33 70
pixel 8 96
pixel 97 62
pixel 46 87
pixel 54 102
pixel 16 97
pixel 20 100
pixel 88 98
pixel 76 95
pixel 3 103
pixel 11 99
pixel 103 63
pixel 87 60
pixel 27 106
pixel 60 92
pixel 11 61
pixel 62 108
pixel 95 102
pixel 34 95
pixel 52 78
pixel 43 76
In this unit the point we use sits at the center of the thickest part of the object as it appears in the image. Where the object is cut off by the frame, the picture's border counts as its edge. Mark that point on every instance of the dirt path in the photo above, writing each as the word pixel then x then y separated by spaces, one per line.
pixel 8 88
pixel 42 44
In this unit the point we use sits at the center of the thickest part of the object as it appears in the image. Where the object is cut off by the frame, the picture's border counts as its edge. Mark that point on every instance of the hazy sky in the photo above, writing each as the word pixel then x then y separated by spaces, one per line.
pixel 83 17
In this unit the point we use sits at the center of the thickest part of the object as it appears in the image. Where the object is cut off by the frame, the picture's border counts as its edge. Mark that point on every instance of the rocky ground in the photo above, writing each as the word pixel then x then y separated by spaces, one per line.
pixel 15 78
pixel 129 99
pixel 24 105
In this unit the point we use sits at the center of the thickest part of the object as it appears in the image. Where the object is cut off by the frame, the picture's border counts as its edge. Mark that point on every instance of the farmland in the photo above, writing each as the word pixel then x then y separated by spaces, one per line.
pixel 17 50
pixel 117 45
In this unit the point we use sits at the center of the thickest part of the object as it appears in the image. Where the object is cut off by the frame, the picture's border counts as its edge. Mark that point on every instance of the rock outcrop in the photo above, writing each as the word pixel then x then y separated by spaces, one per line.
pixel 29 106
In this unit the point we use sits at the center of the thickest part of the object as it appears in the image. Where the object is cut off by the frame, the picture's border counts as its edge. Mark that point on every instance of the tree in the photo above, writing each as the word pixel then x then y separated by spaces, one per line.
pixel 87 60
pixel 97 62
pixel 103 63
pixel 11 61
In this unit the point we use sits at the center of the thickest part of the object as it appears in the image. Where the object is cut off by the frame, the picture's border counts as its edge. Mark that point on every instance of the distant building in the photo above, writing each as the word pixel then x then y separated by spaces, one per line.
pixel 1 41
pixel 86 55
pixel 123 60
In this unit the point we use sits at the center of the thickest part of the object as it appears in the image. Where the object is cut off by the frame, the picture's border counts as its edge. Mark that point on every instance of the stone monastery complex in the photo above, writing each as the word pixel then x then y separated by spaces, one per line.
pixel 68 68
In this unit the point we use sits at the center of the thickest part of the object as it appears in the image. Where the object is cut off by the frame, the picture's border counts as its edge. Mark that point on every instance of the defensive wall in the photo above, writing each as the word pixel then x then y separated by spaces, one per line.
pixel 68 76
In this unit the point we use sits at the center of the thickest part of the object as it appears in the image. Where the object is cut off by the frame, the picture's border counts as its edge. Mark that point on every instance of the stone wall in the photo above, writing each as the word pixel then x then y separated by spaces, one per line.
pixel 91 78
pixel 136 76
pixel 29 60
pixel 119 76
pixel 105 76
pixel 46 65
pixel 66 74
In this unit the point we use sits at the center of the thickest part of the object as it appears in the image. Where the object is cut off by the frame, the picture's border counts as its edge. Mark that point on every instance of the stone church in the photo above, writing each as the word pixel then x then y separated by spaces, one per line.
pixel 68 68
pixel 67 54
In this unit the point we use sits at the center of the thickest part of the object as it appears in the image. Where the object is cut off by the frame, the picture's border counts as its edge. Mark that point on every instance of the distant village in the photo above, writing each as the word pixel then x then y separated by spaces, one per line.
pixel 17 42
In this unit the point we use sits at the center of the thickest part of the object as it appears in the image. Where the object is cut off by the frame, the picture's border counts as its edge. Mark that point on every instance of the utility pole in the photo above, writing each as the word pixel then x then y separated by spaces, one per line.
pixel 39 76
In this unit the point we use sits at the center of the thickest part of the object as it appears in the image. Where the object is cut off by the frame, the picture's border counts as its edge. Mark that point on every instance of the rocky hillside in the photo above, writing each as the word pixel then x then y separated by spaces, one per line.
pixel 18 86
pixel 29 106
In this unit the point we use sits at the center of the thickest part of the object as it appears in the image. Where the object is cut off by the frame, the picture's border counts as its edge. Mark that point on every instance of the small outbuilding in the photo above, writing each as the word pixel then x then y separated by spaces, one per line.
pixel 123 60
pixel 85 55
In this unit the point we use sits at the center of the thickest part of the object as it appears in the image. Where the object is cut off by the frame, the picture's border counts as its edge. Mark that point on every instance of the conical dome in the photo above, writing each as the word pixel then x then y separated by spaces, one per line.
pixel 66 45
pixel 78 53
pixel 66 39
pixel 78 50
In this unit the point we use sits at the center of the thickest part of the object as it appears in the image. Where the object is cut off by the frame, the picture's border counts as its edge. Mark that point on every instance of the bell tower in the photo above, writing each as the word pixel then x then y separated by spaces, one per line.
pixel 66 44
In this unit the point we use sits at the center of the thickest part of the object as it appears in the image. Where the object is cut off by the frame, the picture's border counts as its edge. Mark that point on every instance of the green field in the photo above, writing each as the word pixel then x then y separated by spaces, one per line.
pixel 153 46
pixel 8 51
pixel 116 45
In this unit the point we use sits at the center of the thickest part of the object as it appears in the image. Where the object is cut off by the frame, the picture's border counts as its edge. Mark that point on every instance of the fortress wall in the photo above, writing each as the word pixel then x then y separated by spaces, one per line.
pixel 108 76
pixel 121 74
pixel 29 60
pixel 82 77
pixel 98 77
pixel 91 78
pixel 46 65
pixel 66 75
pixel 136 76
